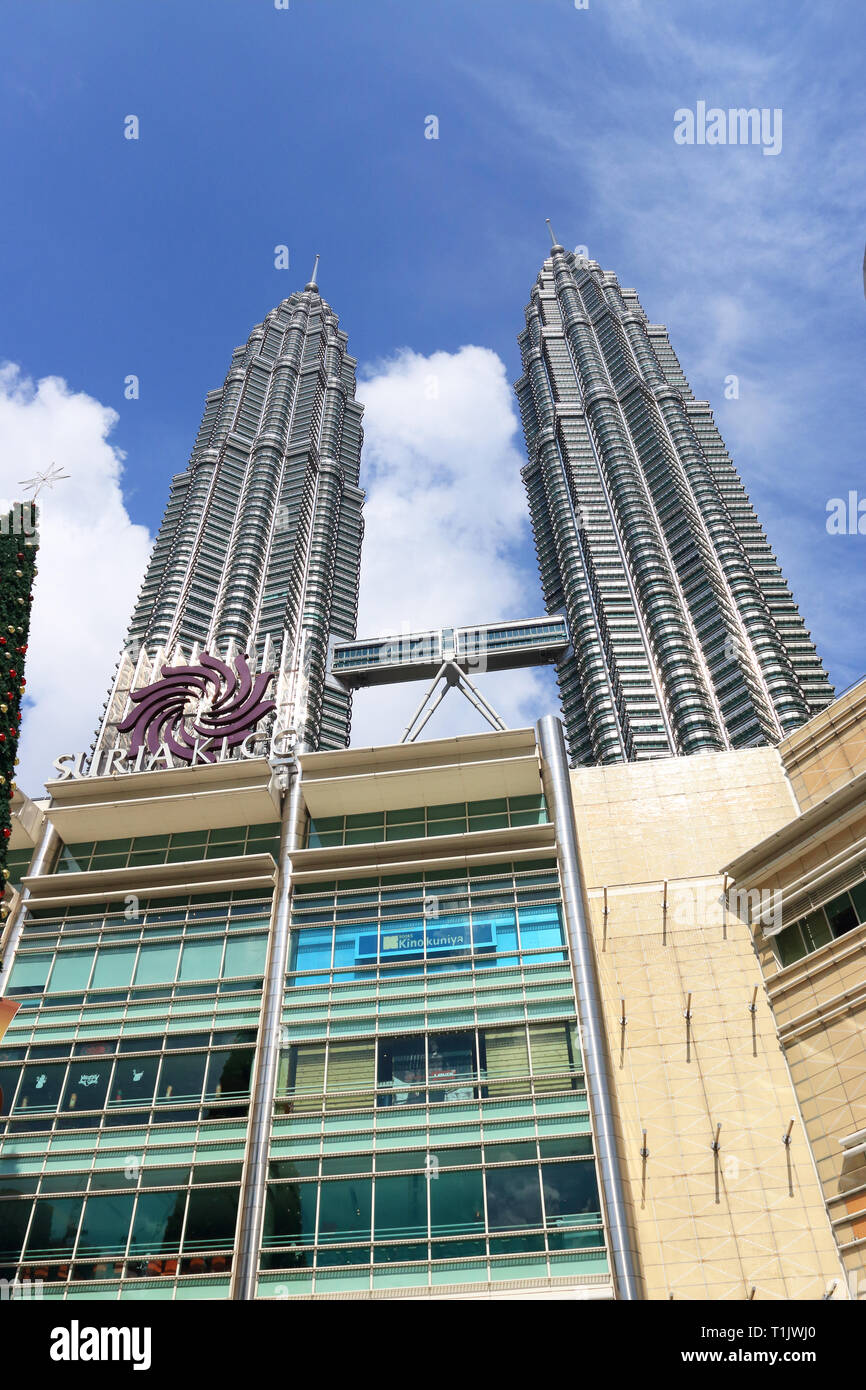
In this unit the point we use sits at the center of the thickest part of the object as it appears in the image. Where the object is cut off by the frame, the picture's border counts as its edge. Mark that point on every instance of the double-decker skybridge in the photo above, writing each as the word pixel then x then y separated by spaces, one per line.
pixel 445 656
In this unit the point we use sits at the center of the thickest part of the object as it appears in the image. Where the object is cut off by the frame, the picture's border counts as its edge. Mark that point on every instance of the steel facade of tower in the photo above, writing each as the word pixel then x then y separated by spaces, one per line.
pixel 259 549
pixel 685 636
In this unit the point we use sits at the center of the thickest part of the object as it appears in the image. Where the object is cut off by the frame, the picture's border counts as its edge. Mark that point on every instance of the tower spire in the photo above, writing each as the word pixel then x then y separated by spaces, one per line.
pixel 312 285
pixel 553 240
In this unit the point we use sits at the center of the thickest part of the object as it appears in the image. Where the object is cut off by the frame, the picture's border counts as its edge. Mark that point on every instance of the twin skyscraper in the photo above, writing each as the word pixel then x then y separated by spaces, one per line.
pixel 683 636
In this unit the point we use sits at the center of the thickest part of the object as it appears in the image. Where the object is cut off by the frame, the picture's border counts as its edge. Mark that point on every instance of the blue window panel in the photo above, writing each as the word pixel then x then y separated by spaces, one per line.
pixel 311 950
pixel 345 947
pixel 540 927
pixel 496 930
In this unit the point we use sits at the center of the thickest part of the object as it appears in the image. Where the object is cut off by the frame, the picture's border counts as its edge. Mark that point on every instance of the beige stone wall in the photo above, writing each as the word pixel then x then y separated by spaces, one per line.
pixel 820 1008
pixel 709 1226
pixel 826 1049
pixel 828 751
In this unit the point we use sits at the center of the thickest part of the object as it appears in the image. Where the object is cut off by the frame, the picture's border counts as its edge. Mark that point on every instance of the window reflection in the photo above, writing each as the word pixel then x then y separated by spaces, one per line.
pixel 182 1077
pixel 86 1085
pixel 452 1066
pixel 403 1068
pixel 345 1208
pixel 40 1087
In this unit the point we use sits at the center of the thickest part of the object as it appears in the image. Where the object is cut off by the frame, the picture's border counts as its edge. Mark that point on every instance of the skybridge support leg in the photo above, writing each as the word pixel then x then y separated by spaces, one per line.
pixel 451 675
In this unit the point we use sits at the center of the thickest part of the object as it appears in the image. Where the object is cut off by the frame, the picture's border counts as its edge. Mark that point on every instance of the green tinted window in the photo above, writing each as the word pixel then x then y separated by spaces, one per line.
pixel 201 960
pixel 29 974
pixel 245 956
pixel 157 964
pixel 71 972
pixel 113 969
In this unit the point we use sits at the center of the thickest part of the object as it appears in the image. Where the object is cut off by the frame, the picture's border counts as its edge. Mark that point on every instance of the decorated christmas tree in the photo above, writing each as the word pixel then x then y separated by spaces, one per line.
pixel 18 545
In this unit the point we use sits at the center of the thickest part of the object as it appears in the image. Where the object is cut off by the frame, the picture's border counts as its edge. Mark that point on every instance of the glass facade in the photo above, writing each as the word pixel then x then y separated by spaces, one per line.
pixel 474 644
pixel 417 822
pixel 18 862
pixel 431 1124
pixel 125 1080
pixel 169 849
pixel 685 636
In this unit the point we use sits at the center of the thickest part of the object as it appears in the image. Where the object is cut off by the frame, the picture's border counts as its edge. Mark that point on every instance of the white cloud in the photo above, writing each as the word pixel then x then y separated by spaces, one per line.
pixel 447 531
pixel 91 561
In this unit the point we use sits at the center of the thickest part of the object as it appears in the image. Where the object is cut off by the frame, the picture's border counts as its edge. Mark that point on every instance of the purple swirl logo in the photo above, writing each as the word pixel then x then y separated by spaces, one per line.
pixel 196 711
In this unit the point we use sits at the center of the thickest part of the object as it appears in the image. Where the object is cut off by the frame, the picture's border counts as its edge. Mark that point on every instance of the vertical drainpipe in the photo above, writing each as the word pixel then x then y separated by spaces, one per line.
pixel 557 786
pixel 46 857
pixel 254 1181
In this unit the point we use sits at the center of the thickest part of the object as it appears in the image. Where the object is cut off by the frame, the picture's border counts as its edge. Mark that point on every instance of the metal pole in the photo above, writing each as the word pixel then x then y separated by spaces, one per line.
pixel 254 1180
pixel 407 731
pixel 46 857
pixel 557 786
pixel 411 737
pixel 465 685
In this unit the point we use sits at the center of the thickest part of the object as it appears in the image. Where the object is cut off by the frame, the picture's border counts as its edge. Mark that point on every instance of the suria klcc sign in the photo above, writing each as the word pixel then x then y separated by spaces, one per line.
pixel 202 713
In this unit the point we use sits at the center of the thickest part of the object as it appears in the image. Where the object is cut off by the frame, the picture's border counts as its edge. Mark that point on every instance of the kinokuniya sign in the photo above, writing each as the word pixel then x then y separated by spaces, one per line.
pixel 203 713
pixel 448 939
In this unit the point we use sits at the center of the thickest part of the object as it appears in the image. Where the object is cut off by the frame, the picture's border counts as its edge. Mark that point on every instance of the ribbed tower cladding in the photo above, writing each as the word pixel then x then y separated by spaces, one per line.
pixel 685 636
pixel 259 549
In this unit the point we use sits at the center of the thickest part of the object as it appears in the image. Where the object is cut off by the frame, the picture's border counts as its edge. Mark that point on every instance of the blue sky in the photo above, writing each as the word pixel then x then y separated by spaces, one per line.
pixel 305 127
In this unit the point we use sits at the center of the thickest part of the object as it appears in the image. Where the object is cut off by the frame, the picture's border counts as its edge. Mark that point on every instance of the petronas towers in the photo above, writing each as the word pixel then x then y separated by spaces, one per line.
pixel 684 636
